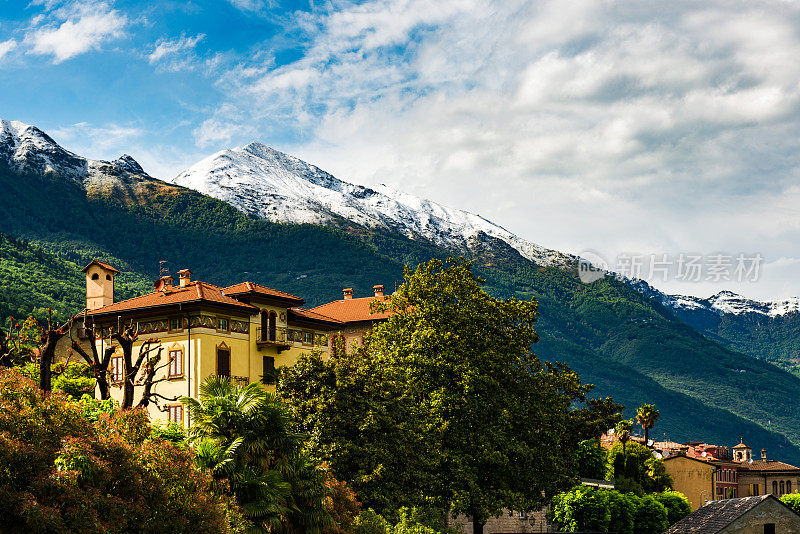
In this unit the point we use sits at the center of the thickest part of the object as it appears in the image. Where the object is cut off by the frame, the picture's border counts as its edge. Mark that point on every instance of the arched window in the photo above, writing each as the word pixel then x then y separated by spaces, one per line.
pixel 108 277
pixel 95 276
pixel 783 487
pixel 774 488
pixel 273 327
pixel 788 486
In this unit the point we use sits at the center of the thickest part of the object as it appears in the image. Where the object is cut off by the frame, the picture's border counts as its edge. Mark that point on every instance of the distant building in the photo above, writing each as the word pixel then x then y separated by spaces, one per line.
pixel 355 314
pixel 694 478
pixel 763 514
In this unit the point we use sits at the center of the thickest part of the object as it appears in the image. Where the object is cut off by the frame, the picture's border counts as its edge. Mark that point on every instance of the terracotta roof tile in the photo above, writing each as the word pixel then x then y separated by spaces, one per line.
pixel 351 310
pixel 101 264
pixel 194 292
pixel 716 515
pixel 310 314
pixel 769 465
pixel 251 287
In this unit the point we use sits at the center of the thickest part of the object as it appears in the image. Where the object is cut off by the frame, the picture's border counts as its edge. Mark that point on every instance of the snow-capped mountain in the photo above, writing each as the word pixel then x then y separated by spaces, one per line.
pixel 264 182
pixel 724 302
pixel 26 148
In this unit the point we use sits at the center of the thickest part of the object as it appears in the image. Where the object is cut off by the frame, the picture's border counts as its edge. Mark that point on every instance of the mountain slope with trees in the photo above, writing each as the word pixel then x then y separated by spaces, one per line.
pixel 631 347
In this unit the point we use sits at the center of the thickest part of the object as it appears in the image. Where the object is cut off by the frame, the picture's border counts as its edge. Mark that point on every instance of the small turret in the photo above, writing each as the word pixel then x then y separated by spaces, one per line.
pixel 99 284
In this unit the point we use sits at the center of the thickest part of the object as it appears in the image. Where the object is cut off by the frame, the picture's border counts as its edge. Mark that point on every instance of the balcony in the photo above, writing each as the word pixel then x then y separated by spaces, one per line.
pixel 272 337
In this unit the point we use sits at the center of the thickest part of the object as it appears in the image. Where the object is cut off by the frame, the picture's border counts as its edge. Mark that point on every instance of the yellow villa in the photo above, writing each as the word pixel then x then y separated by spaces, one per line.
pixel 241 331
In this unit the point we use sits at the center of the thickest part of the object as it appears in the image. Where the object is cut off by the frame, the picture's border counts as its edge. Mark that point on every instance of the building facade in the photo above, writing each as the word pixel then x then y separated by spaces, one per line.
pixel 242 331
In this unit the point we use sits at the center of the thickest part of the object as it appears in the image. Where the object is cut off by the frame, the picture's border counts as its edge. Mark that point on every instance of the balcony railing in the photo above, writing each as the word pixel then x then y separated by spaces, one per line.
pixel 272 337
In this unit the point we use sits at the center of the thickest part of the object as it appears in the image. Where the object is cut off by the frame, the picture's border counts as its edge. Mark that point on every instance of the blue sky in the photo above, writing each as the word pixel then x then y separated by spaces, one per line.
pixel 617 127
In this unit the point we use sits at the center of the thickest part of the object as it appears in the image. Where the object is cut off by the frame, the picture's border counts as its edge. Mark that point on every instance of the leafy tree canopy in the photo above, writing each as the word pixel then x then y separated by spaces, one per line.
pixel 446 405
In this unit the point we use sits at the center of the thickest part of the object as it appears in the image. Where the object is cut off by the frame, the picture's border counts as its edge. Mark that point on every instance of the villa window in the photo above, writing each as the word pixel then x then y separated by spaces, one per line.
pixel 222 324
pixel 783 487
pixel 774 487
pixel 175 413
pixel 175 363
pixel 115 370
pixel 788 486
pixel 308 338
pixel 176 324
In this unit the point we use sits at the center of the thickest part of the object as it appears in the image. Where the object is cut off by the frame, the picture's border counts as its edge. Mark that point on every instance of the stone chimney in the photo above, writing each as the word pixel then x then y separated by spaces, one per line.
pixel 378 290
pixel 99 284
pixel 185 277
pixel 763 455
pixel 348 293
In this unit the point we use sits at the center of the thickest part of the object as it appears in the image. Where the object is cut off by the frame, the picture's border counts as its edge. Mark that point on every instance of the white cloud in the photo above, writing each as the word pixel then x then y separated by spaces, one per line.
pixel 78 28
pixel 175 54
pixel 640 126
pixel 252 6
pixel 6 47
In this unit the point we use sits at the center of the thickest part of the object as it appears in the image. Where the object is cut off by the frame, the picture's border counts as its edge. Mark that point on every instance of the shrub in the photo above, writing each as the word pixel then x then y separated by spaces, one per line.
pixel 62 473
pixel 369 522
pixel 792 500
pixel 676 503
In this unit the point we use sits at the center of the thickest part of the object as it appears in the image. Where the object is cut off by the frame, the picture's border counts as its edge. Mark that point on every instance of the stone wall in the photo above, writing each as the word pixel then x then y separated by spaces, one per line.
pixel 508 523
pixel 769 511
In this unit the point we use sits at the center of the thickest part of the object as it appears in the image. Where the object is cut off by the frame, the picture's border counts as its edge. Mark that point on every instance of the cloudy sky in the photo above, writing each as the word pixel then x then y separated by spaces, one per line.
pixel 615 127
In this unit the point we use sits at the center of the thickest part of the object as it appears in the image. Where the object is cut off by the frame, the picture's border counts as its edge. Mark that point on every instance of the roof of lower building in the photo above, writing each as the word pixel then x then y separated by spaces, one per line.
pixel 768 465
pixel 315 317
pixel 352 310
pixel 716 515
pixel 194 292
pixel 251 288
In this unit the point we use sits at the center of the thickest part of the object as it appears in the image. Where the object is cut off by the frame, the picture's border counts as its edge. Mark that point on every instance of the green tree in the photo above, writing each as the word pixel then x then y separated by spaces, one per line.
pixel 647 415
pixel 650 517
pixel 243 436
pixel 477 422
pixel 636 469
pixel 591 459
pixel 676 503
pixel 623 432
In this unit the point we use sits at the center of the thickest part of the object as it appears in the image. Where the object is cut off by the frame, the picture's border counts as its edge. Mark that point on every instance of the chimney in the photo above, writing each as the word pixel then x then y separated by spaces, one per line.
pixel 185 277
pixel 99 284
pixel 348 293
pixel 378 290
pixel 763 455
pixel 164 283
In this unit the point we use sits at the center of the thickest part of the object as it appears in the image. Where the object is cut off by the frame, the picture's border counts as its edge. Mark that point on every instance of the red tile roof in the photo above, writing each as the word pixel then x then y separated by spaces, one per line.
pixel 769 465
pixel 244 288
pixel 352 310
pixel 302 313
pixel 102 264
pixel 195 292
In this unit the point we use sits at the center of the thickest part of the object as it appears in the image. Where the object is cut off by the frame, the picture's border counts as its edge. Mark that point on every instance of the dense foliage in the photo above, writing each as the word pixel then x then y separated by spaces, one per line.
pixel 74 475
pixel 446 405
pixel 637 470
pixel 584 509
pixel 242 436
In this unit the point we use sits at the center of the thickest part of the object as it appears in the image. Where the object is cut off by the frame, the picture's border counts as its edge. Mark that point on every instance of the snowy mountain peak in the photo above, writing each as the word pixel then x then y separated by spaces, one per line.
pixel 26 148
pixel 127 163
pixel 724 302
pixel 262 181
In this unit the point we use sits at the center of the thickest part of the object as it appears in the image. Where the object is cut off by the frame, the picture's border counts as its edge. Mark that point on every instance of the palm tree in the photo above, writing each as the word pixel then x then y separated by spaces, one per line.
pixel 623 432
pixel 647 415
pixel 241 434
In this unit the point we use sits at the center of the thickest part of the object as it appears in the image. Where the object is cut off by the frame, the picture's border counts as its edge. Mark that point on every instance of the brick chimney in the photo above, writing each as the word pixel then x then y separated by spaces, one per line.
pixel 378 290
pixel 164 283
pixel 185 277
pixel 764 455
pixel 348 293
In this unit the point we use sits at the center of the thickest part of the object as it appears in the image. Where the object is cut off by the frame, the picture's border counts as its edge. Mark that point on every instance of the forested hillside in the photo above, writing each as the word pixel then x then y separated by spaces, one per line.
pixel 613 336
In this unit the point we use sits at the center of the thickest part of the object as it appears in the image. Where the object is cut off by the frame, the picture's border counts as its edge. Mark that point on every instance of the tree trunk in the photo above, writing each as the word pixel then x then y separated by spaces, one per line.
pixel 477 523
pixel 646 436
pixel 47 353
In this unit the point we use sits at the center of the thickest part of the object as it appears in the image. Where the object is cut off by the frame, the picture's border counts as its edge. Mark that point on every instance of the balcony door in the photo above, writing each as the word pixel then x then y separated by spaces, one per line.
pixel 273 326
pixel 223 361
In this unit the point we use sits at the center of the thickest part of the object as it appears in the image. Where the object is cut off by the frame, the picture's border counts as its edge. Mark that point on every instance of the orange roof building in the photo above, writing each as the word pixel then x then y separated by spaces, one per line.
pixel 355 314
pixel 243 331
